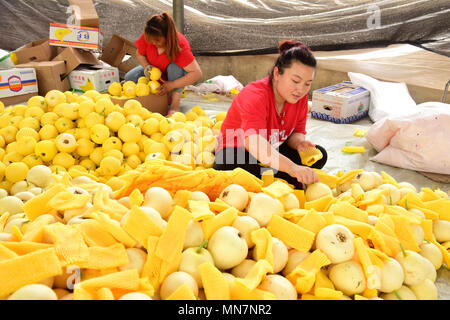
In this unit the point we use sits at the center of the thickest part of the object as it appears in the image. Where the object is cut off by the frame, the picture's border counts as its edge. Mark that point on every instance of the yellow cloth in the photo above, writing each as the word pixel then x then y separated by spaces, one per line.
pixel 214 283
pixel 94 235
pixel 225 218
pixel 172 239
pixel 291 234
pixel 140 226
pixel 27 269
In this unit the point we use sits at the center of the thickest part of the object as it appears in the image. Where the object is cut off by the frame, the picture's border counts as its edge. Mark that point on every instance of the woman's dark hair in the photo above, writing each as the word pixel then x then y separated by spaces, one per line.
pixel 162 25
pixel 289 51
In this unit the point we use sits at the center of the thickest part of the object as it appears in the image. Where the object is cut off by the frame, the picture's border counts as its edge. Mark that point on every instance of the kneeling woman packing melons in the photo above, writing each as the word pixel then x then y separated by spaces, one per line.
pixel 265 124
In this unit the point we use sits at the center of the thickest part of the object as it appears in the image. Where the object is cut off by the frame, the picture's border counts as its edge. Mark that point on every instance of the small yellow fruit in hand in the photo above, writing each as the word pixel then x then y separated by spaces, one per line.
pixel 154 86
pixel 46 150
pixel 220 116
pixel 155 74
pixel 99 133
pixel 142 89
pixel 129 89
pixel 129 133
pixel 110 166
pixel 66 142
pixel 115 89
pixel 115 120
pixel 16 171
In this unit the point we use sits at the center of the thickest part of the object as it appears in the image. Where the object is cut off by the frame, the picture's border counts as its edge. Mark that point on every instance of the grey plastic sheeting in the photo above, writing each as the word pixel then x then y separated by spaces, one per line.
pixel 221 26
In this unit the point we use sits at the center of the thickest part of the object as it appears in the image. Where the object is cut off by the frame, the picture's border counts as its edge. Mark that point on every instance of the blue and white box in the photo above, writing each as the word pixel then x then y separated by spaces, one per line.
pixel 340 103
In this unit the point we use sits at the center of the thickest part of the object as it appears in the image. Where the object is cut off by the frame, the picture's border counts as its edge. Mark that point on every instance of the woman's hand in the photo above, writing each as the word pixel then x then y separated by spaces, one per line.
pixel 303 145
pixel 165 88
pixel 305 175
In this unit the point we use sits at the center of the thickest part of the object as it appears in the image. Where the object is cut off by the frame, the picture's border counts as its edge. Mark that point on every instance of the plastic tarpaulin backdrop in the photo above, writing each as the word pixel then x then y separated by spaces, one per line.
pixel 255 26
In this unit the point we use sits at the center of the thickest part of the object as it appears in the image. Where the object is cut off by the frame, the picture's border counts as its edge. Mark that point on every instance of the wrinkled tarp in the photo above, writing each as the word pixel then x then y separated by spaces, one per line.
pixel 251 26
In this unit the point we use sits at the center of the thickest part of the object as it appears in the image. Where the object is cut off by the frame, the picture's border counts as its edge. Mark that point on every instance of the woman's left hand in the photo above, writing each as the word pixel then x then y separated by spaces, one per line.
pixel 305 145
pixel 165 88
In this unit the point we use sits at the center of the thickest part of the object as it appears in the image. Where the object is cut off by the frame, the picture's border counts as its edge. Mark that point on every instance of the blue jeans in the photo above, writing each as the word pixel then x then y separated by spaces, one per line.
pixel 173 71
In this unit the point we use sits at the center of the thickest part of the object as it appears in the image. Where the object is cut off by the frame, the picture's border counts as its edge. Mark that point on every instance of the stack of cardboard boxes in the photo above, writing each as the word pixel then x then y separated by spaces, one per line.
pixel 64 61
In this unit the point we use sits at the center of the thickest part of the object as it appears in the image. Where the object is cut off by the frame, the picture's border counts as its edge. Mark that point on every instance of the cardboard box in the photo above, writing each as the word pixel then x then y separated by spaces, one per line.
pixel 116 50
pixel 73 58
pixel 84 79
pixel 76 36
pixel 17 84
pixel 83 13
pixel 340 103
pixel 152 102
pixel 39 50
pixel 50 75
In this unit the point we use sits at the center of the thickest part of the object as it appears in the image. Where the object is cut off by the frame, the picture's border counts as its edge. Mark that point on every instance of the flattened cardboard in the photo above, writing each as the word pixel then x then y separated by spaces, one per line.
pixel 50 75
pixel 116 50
pixel 83 13
pixel 152 102
pixel 39 50
pixel 73 58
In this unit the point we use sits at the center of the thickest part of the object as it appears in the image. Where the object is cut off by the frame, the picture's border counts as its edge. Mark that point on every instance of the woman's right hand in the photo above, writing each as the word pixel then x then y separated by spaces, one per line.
pixel 303 174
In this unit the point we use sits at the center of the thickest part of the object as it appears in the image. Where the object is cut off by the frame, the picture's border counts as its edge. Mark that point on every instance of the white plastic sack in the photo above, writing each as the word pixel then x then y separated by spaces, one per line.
pixel 226 83
pixel 418 141
pixel 386 98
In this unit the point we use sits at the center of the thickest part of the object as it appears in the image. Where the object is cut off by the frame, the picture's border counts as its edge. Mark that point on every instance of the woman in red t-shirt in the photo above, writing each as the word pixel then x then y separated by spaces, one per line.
pixel 162 46
pixel 265 124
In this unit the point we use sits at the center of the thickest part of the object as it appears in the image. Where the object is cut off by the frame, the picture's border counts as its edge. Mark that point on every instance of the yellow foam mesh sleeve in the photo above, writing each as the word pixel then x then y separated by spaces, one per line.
pixel 326 178
pixel 172 239
pixel 241 292
pixel 291 234
pixel 38 205
pixel 6 253
pixel 69 243
pixel 128 280
pixel 256 274
pixel 136 198
pixel 24 247
pixel 152 266
pixel 310 156
pixel 106 257
pixel 214 283
pixel 225 218
pixel 111 226
pixel 349 211
pixel 319 204
pixel 104 294
pixel 27 269
pixel 66 200
pixel 183 292
pixel 312 221
pixel 140 226
pixel 347 176
pixel 353 149
pixel 277 189
pixel 263 244
pixel 200 210
pixel 94 235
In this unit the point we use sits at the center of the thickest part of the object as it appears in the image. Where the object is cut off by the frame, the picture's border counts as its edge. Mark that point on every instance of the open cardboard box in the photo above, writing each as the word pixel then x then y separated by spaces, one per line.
pixel 83 13
pixel 73 58
pixel 152 102
pixel 39 50
pixel 115 51
pixel 50 75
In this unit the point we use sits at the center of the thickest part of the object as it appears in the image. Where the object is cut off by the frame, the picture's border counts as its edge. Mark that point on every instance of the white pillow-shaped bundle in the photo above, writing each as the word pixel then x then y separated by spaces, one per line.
pixel 386 98
pixel 419 140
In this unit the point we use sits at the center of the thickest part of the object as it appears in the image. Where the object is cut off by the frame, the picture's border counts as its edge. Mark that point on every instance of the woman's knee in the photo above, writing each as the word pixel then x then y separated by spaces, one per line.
pixel 134 74
pixel 174 72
